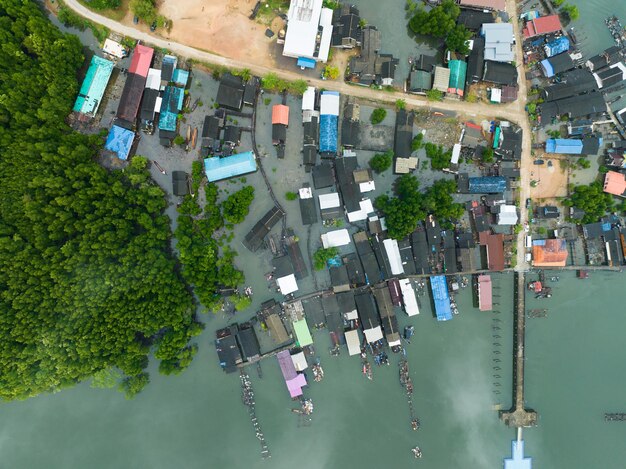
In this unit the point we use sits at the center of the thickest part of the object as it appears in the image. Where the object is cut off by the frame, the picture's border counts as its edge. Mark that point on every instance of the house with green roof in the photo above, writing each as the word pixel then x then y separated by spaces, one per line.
pixel 95 82
pixel 458 70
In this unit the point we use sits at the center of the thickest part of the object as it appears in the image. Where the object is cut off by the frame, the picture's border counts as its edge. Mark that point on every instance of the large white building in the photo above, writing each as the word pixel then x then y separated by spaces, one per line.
pixel 309 32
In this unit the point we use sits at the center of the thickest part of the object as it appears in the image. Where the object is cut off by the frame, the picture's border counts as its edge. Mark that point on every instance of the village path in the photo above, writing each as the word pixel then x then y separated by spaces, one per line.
pixel 514 112
pixel 526 158
pixel 483 110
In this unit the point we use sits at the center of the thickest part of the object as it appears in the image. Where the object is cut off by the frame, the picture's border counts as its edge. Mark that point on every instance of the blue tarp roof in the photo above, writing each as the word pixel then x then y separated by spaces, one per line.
pixel 119 141
pixel 487 185
pixel 217 168
pixel 567 146
pixel 557 46
pixel 306 63
pixel 441 297
pixel 94 84
pixel 328 134
pixel 180 77
pixel 170 106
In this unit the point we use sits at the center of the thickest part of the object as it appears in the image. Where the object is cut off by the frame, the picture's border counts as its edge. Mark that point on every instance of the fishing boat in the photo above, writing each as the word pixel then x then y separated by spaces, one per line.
pixel 417 452
pixel 318 372
pixel 188 134
pixel 408 332
pixel 194 137
pixel 415 424
pixel 367 370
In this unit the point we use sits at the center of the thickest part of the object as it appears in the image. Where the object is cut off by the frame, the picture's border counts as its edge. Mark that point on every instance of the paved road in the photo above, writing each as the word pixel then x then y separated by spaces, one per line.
pixel 514 112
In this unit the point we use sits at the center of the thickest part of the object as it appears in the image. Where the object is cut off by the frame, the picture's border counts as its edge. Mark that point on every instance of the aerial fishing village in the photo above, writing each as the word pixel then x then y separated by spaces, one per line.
pixel 366 210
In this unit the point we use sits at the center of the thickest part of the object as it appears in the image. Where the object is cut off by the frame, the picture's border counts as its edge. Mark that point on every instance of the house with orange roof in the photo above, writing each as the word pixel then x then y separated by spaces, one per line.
pixel 549 253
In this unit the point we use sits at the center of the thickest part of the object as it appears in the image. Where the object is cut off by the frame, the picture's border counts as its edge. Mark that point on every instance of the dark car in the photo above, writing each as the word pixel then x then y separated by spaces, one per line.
pixel 135 19
pixel 153 26
pixel 538 162
pixel 528 202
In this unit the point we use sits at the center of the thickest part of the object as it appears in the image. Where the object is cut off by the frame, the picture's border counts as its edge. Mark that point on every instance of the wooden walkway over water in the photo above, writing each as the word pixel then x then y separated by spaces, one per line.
pixel 518 416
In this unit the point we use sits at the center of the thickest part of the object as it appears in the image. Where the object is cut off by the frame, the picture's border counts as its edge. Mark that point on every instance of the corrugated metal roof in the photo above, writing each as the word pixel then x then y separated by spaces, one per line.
pixel 142 58
pixel 217 168
pixel 458 69
pixel 280 114
pixel 442 79
pixel 94 84
pixel 441 297
pixel 328 134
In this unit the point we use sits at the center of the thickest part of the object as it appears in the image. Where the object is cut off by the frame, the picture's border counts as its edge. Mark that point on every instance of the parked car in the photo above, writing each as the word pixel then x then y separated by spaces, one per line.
pixel 528 202
pixel 135 19
pixel 153 26
pixel 538 162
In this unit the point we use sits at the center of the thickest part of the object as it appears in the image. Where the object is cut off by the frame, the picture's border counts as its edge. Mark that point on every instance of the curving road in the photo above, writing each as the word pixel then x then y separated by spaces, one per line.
pixel 514 112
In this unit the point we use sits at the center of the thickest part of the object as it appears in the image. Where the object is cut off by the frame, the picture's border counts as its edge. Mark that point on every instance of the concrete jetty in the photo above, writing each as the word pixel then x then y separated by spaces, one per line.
pixel 518 416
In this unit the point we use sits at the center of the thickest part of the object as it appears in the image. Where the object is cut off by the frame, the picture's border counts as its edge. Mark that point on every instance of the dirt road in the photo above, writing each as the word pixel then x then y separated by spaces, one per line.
pixel 526 162
pixel 514 112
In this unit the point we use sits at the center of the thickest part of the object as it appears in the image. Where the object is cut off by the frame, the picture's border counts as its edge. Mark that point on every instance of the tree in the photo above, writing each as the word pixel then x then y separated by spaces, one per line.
pixel 434 95
pixel 400 104
pixel 570 11
pixel 437 22
pixel 87 276
pixel 240 302
pixel 179 140
pixel 593 200
pixel 291 195
pixel 439 158
pixel 487 156
pixel 322 256
pixel 457 39
pixel 237 206
pixel 331 72
pixel 298 87
pixel 584 163
pixel 144 9
pixel 438 201
pixel 417 142
pixel 402 212
pixel 378 115
pixel 558 3
pixel 381 162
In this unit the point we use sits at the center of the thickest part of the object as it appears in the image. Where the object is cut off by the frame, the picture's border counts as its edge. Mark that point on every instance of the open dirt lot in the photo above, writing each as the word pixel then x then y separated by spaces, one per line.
pixel 552 180
pixel 218 26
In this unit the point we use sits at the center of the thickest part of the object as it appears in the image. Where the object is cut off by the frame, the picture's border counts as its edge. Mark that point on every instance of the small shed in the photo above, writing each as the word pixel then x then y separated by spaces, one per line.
pixel 179 183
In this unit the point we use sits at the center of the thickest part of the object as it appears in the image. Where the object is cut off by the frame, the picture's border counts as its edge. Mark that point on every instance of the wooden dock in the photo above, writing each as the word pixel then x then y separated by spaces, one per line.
pixel 518 416
pixel 247 395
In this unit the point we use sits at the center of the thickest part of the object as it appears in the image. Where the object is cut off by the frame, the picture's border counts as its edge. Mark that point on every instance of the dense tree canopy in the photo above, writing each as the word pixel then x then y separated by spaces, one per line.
pixel 440 22
pixel 378 115
pixel 403 212
pixel 87 281
pixel 439 158
pixel 237 206
pixel 592 199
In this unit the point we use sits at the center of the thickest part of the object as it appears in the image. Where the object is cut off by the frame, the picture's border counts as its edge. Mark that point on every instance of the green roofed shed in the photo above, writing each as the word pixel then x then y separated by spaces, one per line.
pixel 94 84
pixel 458 70
pixel 302 333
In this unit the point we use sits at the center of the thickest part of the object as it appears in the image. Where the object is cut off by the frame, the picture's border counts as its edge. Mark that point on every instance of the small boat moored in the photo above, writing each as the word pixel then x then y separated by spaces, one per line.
pixel 417 452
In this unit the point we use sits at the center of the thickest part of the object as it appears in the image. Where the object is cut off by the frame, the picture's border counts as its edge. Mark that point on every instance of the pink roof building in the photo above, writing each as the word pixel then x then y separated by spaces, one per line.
pixel 286 365
pixel 295 385
pixel 142 58
pixel 615 183
pixel 484 293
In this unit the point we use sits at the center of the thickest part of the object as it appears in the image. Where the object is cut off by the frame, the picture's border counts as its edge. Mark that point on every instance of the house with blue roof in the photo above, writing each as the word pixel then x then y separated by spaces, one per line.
pixel 441 297
pixel 565 146
pixel 557 46
pixel 487 185
pixel 120 141
pixel 95 82
pixel 180 77
pixel 217 168
pixel 171 105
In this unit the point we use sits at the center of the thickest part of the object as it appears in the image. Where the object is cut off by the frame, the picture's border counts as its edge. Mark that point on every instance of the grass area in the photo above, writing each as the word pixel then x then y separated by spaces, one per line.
pixel 270 9
pixel 116 14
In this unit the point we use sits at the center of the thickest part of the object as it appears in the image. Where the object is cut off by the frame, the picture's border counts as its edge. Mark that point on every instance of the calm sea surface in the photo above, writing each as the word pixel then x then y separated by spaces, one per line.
pixel 461 370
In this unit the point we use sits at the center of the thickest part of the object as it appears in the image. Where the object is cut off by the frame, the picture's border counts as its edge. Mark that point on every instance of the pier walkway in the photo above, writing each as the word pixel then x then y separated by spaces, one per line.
pixel 518 415
pixel 247 395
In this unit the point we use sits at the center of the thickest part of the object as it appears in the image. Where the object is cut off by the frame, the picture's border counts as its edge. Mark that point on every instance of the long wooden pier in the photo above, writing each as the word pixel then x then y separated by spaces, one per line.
pixel 247 395
pixel 615 417
pixel 518 416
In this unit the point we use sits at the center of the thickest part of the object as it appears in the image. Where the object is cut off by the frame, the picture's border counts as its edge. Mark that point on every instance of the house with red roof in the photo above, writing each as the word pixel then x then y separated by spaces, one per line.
pixel 615 183
pixel 542 25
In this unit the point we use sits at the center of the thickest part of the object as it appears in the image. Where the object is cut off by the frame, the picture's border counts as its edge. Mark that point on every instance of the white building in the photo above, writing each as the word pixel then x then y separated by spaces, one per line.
pixel 287 284
pixel 408 297
pixel 507 215
pixel 334 239
pixel 303 40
